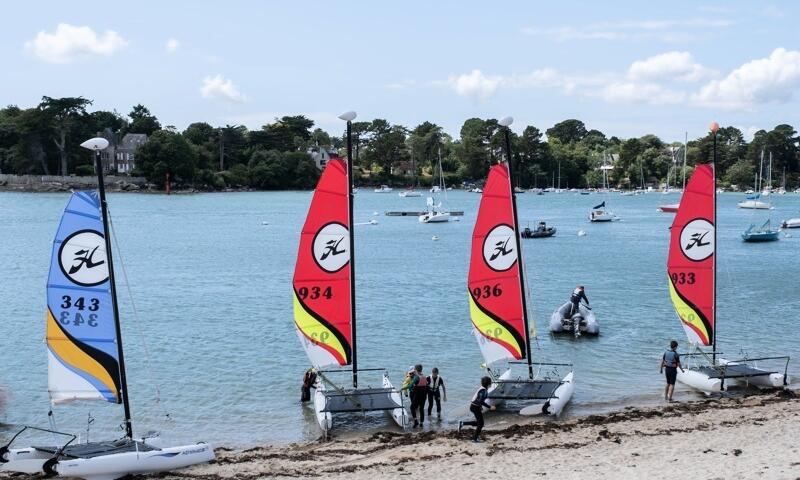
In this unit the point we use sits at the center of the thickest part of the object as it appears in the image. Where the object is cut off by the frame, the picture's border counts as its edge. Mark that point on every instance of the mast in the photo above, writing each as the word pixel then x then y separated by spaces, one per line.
pixel 98 165
pixel 349 119
pixel 714 128
pixel 685 153
pixel 506 122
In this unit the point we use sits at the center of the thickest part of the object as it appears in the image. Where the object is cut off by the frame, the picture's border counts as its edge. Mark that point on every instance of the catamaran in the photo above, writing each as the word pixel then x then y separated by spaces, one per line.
pixel 85 359
pixel 691 272
pixel 599 213
pixel 435 214
pixel 673 207
pixel 753 199
pixel 324 301
pixel 497 302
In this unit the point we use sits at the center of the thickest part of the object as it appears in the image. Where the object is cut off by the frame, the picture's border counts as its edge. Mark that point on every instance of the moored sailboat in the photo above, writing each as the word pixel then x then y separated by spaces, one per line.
pixel 497 302
pixel 324 301
pixel 691 272
pixel 85 360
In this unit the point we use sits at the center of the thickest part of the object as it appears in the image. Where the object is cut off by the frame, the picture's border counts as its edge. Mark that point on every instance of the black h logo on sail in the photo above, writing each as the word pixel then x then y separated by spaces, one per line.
pixel 85 257
pixel 697 240
pixel 332 248
pixel 500 249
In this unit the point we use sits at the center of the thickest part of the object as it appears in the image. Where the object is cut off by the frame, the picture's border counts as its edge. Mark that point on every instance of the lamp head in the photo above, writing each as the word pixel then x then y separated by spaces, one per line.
pixel 714 127
pixel 506 121
pixel 95 144
pixel 348 116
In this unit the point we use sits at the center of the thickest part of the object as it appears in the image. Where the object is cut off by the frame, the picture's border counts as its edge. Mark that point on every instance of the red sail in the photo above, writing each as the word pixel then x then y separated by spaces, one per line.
pixel 692 252
pixel 322 296
pixel 494 286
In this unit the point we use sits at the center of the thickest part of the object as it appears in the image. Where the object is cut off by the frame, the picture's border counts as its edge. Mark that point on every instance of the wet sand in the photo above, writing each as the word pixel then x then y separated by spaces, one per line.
pixel 746 437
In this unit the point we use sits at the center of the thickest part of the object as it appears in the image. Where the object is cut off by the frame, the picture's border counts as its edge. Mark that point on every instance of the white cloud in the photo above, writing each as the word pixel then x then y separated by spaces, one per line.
pixel 219 87
pixel 69 43
pixel 669 66
pixel 766 80
pixel 475 84
pixel 172 45
pixel 670 31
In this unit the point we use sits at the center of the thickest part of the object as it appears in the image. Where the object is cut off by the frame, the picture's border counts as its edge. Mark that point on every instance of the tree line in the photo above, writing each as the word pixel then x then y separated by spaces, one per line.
pixel 45 140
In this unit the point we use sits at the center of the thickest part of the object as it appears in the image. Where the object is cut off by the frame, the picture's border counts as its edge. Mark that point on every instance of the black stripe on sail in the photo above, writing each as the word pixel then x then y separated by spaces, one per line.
pixel 600 206
pixel 504 324
pixel 105 360
pixel 336 333
pixel 694 307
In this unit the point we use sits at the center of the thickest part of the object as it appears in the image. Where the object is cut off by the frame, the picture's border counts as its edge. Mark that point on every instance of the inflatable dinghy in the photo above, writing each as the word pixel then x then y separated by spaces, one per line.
pixel 582 322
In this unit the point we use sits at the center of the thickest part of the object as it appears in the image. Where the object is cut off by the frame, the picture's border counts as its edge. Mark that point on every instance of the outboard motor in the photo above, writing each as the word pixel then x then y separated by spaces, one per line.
pixel 576 324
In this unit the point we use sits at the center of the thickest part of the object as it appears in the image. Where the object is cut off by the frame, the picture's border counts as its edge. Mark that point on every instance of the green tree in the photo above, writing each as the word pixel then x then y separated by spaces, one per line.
pixel 142 121
pixel 568 131
pixel 64 116
pixel 164 152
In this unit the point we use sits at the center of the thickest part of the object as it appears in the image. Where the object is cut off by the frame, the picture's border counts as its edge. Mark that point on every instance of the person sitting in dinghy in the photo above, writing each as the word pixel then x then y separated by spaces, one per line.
pixel 577 294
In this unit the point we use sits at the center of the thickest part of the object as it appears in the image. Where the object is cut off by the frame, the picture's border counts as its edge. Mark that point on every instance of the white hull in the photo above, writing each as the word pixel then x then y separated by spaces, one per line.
pixel 496 402
pixel 437 217
pixel 410 193
pixel 561 396
pixel 399 415
pixel 791 223
pixel 699 381
pixel 754 204
pixel 588 325
pixel 110 467
pixel 602 216
pixel 324 419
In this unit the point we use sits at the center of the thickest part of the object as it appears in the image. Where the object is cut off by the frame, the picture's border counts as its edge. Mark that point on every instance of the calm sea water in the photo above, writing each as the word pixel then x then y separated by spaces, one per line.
pixel 211 284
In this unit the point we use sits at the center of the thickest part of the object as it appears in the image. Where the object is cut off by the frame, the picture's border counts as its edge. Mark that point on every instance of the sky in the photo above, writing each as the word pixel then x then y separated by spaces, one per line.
pixel 624 68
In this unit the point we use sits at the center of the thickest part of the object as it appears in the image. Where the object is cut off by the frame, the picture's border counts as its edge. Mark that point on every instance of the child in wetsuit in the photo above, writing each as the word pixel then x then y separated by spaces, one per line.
pixel 476 407
pixel 435 384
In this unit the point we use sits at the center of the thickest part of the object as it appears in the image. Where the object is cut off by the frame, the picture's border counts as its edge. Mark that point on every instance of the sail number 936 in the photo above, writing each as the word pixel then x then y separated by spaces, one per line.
pixel 314 293
pixel 80 304
pixel 487 291
pixel 683 278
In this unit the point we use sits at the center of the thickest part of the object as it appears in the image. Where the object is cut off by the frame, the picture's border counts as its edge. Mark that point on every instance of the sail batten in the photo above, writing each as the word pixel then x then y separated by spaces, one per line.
pixel 321 285
pixel 691 261
pixel 494 288
pixel 81 335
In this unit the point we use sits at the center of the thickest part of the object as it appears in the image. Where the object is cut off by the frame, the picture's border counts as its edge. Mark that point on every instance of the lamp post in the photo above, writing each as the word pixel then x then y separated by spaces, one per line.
pixel 349 117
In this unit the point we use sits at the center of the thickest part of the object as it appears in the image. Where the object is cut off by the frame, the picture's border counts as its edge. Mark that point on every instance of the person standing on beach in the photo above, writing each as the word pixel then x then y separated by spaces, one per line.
pixel 670 363
pixel 436 383
pixel 417 387
pixel 476 407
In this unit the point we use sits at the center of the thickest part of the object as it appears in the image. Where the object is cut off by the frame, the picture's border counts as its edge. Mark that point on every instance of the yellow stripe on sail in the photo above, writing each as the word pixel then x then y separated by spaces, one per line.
pixel 493 330
pixel 688 315
pixel 318 333
pixel 73 356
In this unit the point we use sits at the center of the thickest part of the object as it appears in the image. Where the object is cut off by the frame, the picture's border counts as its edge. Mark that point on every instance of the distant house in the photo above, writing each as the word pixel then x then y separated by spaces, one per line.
pixel 120 156
pixel 321 156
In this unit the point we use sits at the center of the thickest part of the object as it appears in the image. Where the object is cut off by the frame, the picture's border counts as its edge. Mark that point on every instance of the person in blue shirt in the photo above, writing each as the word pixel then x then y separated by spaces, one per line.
pixel 670 363
pixel 476 406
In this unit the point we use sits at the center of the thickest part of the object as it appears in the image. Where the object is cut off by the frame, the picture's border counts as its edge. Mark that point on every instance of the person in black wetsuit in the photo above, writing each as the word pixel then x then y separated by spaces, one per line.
pixel 309 382
pixel 577 294
pixel 435 384
pixel 476 407
pixel 418 392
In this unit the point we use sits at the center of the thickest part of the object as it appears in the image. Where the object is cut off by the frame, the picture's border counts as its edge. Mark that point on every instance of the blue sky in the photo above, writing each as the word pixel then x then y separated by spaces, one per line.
pixel 625 68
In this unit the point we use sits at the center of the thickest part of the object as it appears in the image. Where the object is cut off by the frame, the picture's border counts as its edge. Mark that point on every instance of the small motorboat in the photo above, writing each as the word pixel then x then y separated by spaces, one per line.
pixel 409 193
pixel 384 189
pixel 583 321
pixel 669 208
pixel 600 214
pixel 541 231
pixel 791 223
pixel 764 233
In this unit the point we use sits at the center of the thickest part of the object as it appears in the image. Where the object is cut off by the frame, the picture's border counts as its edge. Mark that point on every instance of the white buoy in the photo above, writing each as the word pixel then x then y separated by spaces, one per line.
pixel 434 238
pixel 373 222
pixel 375 214
pixel 264 223
pixel 581 233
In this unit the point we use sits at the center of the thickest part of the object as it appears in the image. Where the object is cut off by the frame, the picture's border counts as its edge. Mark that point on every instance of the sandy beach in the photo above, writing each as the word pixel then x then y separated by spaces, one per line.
pixel 749 437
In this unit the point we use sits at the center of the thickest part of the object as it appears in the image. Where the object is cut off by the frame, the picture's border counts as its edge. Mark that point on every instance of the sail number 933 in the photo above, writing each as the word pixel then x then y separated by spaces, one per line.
pixel 683 278
pixel 79 304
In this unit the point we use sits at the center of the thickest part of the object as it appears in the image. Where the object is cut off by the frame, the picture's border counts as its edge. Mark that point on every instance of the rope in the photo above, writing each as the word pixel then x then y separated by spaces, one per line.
pixel 137 322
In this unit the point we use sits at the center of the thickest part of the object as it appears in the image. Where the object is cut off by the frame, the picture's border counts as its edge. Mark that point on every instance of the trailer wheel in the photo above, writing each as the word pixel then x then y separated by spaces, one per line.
pixel 48 468
pixel 3 454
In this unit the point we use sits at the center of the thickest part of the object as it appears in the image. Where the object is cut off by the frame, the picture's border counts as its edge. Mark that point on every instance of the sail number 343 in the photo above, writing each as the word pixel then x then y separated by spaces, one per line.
pixel 79 304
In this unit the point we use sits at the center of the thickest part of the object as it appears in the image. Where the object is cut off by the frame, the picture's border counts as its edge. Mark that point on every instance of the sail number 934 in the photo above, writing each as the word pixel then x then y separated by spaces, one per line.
pixel 314 293
pixel 683 278
pixel 487 291
pixel 79 304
